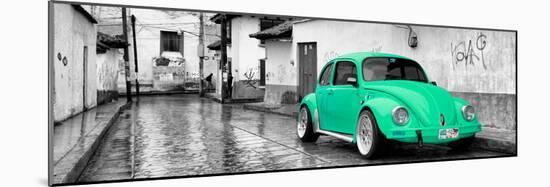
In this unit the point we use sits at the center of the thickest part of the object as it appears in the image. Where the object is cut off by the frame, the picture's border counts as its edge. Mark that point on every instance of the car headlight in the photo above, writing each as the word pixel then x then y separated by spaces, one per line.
pixel 400 115
pixel 468 112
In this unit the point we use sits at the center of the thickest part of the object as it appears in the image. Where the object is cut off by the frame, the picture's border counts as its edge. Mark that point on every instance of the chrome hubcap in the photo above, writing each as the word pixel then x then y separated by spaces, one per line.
pixel 301 127
pixel 364 134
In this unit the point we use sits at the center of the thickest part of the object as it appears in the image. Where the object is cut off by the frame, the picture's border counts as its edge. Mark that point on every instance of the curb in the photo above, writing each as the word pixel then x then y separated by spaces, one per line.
pixel 153 93
pixel 76 169
pixel 263 109
pixel 232 101
pixel 495 145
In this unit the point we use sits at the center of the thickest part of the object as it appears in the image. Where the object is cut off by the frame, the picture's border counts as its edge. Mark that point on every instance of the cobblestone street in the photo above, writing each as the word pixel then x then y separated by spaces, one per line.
pixel 180 135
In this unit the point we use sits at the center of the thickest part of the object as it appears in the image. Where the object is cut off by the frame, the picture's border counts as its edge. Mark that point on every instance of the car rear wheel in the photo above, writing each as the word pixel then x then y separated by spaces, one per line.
pixel 304 127
pixel 368 137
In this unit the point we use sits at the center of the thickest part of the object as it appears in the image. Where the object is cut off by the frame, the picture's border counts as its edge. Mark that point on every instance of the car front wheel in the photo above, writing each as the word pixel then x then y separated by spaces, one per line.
pixel 368 137
pixel 304 127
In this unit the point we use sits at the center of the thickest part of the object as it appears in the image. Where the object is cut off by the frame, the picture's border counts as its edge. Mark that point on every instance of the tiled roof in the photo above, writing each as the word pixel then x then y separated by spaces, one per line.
pixel 216 45
pixel 105 41
pixel 283 30
pixel 111 41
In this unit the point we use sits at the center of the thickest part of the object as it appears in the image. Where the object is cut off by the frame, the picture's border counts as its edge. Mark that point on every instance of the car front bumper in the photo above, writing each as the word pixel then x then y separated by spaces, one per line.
pixel 431 135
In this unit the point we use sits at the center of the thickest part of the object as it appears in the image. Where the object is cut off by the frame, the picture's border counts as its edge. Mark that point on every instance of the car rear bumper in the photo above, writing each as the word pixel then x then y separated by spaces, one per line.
pixel 431 135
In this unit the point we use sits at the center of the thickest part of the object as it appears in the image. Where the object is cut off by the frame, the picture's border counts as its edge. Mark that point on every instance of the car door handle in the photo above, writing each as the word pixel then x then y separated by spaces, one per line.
pixel 330 91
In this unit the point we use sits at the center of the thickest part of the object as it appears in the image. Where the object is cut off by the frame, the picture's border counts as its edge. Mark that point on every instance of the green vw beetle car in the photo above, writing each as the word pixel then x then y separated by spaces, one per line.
pixel 370 98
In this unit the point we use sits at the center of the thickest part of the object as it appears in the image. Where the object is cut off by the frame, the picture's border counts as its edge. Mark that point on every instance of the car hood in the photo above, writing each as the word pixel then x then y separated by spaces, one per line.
pixel 425 101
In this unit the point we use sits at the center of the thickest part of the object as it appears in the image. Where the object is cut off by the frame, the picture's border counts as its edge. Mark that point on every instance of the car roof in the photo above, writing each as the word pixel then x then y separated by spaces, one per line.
pixel 360 56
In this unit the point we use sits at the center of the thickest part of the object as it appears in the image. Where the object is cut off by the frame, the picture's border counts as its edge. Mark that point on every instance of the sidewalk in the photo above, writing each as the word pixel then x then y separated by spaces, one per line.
pixel 75 139
pixel 290 110
pixel 500 140
pixel 217 98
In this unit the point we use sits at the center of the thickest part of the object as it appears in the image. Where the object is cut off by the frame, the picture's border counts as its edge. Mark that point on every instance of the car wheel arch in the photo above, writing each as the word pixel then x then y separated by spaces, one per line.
pixel 309 101
pixel 363 108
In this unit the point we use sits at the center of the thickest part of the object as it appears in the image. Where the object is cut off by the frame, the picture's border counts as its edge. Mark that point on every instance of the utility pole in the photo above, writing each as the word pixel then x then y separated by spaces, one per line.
pixel 135 53
pixel 201 55
pixel 223 50
pixel 126 61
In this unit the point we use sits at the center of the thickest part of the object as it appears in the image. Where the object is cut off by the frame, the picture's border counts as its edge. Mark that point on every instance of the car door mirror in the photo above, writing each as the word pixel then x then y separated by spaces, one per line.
pixel 352 81
pixel 434 83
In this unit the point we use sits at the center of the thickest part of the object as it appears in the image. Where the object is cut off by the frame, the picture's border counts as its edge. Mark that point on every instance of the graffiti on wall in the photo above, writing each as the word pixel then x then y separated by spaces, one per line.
pixel 376 49
pixel 249 79
pixel 469 52
pixel 330 55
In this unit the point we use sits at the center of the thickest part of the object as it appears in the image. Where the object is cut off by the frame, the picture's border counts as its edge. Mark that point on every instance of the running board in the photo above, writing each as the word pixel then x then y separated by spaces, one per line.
pixel 345 137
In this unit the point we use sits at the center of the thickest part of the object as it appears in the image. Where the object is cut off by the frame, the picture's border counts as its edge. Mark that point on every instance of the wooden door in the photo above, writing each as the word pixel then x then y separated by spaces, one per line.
pixel 307 68
pixel 262 72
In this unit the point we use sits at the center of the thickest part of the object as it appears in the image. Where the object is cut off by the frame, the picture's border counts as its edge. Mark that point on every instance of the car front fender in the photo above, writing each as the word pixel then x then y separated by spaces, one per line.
pixel 459 103
pixel 381 108
pixel 310 101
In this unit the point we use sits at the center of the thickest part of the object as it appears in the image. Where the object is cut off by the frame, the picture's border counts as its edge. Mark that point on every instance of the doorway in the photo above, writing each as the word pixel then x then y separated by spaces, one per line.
pixel 307 68
pixel 85 76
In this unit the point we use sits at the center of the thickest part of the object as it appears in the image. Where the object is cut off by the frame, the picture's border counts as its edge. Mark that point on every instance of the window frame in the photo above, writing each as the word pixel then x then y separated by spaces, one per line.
pixel 329 65
pixel 333 80
pixel 179 42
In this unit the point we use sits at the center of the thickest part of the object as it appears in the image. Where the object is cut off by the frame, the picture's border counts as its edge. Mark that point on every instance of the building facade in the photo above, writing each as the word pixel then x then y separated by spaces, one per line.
pixel 74 65
pixel 109 56
pixel 477 65
pixel 245 55
pixel 167 44
pixel 280 70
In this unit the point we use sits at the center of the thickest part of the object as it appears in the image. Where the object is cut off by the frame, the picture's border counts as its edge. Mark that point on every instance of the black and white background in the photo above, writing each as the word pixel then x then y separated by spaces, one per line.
pixel 24 98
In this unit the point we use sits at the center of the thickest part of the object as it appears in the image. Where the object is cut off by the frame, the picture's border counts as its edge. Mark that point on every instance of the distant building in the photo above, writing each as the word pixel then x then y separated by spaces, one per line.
pixel 167 43
pixel 109 56
pixel 280 70
pixel 74 65
pixel 246 56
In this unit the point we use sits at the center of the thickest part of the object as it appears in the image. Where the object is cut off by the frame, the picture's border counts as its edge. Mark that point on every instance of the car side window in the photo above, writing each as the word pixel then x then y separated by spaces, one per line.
pixel 344 70
pixel 325 76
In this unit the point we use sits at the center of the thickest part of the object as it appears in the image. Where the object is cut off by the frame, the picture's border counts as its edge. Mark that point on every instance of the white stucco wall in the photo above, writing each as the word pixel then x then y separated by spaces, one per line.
pixel 279 69
pixel 72 31
pixel 245 51
pixel 107 69
pixel 436 51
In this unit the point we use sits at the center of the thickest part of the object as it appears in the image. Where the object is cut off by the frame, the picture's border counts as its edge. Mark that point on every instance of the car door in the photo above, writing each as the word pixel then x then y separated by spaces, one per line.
pixel 321 94
pixel 343 99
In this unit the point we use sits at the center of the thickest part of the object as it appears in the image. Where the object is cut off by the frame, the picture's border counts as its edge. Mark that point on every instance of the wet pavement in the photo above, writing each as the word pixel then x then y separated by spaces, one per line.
pixel 181 135
pixel 68 133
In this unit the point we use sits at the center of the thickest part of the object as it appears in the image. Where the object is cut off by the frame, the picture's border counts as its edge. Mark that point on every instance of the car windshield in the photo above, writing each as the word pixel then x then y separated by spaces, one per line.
pixel 381 68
